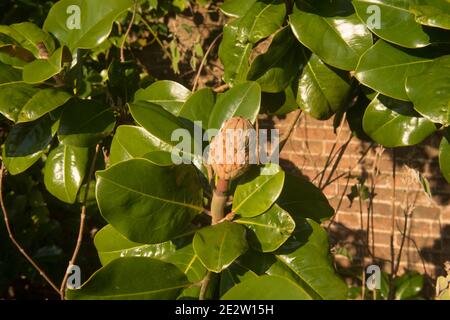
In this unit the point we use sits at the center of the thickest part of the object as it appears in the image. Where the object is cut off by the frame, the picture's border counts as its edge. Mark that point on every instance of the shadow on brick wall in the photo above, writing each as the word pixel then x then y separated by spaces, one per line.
pixel 424 158
pixel 354 241
pixel 439 252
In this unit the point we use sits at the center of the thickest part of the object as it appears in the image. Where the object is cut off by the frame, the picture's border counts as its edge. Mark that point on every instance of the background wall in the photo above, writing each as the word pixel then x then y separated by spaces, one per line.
pixel 363 226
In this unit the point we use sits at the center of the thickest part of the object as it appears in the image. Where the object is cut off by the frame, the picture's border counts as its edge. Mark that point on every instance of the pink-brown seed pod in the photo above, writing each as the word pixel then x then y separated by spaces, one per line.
pixel 229 149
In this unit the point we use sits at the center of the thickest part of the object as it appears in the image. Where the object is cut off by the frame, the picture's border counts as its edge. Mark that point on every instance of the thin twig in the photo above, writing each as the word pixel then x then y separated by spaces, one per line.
pixel 419 253
pixel 155 35
pixel 257 141
pixel 392 275
pixel 363 288
pixel 308 148
pixel 122 56
pixel 341 199
pixel 338 155
pixel 402 244
pixel 204 285
pixel 375 172
pixel 81 228
pixel 200 68
pixel 221 88
pixel 349 172
pixel 332 155
pixel 13 239
pixel 290 130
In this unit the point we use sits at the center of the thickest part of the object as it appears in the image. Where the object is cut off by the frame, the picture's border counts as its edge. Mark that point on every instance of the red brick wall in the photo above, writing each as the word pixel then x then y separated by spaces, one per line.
pixel 356 224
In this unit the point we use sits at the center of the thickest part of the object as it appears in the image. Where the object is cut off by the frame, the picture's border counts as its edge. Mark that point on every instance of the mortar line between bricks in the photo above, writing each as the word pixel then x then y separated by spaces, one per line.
pixel 387 217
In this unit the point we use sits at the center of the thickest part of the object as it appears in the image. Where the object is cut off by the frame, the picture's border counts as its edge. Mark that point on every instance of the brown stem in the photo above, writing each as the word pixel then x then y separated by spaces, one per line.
pixel 125 37
pixel 204 285
pixel 13 239
pixel 363 288
pixel 219 201
pixel 211 46
pixel 222 88
pixel 402 244
pixel 392 275
pixel 332 155
pixel 81 228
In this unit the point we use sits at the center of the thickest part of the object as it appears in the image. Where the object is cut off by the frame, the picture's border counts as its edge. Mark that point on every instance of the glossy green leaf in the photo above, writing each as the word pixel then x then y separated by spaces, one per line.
pixel 343 37
pixel 168 94
pixel 64 171
pixel 9 47
pixel 276 68
pixel 259 21
pixel 258 262
pixel 26 142
pixel 6 40
pixel 257 190
pixel 131 279
pixel 198 106
pixel 85 122
pixel 162 125
pixel 234 275
pixel 234 53
pixel 219 245
pixel 262 19
pixel 9 75
pixel 19 43
pixel 131 142
pixel 394 123
pixel 187 261
pixel 41 103
pixel 306 253
pixel 21 102
pixel 385 68
pixel 444 156
pixel 430 91
pixel 322 90
pixel 83 24
pixel 236 8
pixel 27 138
pixel 13 98
pixel 269 230
pixel 408 285
pixel 434 13
pixel 43 69
pixel 16 165
pixel 266 288
pixel 280 103
pixel 150 212
pixel 15 56
pixel 396 22
pixel 111 245
pixel 29 36
pixel 243 100
pixel 123 79
pixel 303 199
pixel 279 268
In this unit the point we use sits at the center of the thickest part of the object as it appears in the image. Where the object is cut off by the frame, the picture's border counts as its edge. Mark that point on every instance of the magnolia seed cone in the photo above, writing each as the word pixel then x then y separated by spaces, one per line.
pixel 229 149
